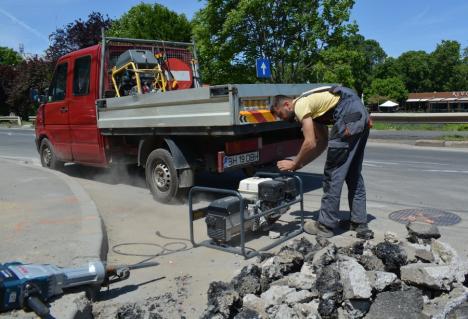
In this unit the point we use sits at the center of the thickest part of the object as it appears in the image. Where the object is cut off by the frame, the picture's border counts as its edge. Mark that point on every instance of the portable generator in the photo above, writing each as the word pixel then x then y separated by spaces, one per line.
pixel 223 216
pixel 138 72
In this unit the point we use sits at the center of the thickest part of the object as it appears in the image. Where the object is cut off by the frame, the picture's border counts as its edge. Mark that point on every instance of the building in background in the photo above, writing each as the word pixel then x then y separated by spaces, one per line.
pixel 437 102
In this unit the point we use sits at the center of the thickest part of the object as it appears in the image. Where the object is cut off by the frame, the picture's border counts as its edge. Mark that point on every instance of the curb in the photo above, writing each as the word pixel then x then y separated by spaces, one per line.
pixel 434 143
pixel 438 143
pixel 76 305
pixel 452 145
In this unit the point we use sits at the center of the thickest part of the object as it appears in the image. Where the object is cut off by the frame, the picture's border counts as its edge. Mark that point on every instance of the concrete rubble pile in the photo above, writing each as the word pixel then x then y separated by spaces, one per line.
pixel 418 277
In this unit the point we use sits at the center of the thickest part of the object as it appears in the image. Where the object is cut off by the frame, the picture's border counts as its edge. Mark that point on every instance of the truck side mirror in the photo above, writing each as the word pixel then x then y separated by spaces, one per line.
pixel 42 99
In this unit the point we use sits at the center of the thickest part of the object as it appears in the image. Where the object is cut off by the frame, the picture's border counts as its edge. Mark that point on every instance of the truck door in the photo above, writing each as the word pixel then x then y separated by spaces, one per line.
pixel 56 116
pixel 87 142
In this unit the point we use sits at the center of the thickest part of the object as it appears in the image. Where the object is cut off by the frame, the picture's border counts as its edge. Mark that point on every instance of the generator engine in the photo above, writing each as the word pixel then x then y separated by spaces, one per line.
pixel 260 195
pixel 137 72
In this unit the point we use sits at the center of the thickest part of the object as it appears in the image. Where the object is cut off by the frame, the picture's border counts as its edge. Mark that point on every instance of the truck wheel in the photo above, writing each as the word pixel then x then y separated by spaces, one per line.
pixel 161 175
pixel 48 157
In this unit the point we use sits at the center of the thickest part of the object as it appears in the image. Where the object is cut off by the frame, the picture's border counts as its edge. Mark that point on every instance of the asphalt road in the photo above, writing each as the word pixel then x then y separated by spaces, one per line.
pixel 394 174
pixel 397 176
pixel 18 143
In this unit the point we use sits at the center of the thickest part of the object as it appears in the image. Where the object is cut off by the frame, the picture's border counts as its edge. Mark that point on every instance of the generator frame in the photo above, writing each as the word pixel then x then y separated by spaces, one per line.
pixel 159 76
pixel 241 250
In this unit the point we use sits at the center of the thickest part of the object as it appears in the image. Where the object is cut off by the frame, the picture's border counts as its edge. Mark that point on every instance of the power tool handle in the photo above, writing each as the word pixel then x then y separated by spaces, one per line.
pixel 36 305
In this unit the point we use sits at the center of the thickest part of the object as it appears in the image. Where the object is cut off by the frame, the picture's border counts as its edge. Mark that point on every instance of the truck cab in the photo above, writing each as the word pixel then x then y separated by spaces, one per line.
pixel 66 129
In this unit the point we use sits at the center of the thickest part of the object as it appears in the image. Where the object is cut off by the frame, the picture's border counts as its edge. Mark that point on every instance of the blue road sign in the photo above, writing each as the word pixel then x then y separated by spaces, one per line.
pixel 263 68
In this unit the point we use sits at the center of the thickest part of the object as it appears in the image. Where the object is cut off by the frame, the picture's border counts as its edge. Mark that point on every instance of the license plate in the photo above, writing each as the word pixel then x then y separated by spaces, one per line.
pixel 240 159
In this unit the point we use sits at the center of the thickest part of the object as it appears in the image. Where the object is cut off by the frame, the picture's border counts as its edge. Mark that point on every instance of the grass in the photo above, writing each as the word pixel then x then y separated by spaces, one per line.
pixel 420 127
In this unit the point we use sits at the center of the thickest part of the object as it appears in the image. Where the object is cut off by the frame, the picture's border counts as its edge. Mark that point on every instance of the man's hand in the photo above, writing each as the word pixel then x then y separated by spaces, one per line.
pixel 286 165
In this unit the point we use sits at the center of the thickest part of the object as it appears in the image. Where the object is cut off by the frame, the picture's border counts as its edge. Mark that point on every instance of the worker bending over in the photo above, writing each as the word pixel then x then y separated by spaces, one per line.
pixel 341 107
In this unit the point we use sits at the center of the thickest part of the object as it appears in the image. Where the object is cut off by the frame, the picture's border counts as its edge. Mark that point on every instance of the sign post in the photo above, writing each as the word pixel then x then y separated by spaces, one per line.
pixel 263 68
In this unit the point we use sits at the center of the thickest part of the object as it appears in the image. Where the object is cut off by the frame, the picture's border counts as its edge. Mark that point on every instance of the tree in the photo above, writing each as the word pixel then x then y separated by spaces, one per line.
pixel 77 35
pixel 389 88
pixel 388 69
pixel 415 68
pixel 9 56
pixel 7 78
pixel 146 21
pixel 338 65
pixel 8 59
pixel 374 56
pixel 351 63
pixel 459 79
pixel 231 34
pixel 446 57
pixel 34 73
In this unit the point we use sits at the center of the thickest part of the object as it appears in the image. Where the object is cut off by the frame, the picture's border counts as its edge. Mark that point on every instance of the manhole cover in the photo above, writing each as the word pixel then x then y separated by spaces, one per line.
pixel 425 215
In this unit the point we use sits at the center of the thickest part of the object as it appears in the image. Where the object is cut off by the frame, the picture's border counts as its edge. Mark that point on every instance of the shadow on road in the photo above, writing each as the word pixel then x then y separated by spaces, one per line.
pixel 115 292
pixel 344 217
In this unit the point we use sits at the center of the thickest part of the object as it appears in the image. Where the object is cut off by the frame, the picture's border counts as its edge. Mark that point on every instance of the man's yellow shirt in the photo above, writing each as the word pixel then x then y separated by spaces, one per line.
pixel 315 104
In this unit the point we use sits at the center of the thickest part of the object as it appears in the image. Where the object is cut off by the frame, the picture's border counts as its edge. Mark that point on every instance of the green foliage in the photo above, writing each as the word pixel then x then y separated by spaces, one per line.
pixel 9 56
pixel 445 69
pixel 415 68
pixel 446 58
pixel 336 66
pixel 351 63
pixel 231 34
pixel 387 69
pixel 153 22
pixel 391 88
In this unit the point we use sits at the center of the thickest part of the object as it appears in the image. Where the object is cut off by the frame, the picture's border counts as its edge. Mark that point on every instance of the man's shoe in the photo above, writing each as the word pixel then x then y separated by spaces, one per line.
pixel 362 230
pixel 315 228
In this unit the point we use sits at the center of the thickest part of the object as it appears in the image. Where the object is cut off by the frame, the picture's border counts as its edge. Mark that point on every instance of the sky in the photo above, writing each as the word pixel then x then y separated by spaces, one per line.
pixel 398 25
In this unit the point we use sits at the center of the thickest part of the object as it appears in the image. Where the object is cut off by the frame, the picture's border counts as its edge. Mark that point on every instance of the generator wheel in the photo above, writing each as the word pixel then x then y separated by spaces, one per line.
pixel 161 176
pixel 48 157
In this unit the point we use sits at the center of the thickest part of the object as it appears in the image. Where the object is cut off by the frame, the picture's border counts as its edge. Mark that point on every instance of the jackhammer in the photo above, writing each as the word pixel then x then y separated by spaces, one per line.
pixel 31 286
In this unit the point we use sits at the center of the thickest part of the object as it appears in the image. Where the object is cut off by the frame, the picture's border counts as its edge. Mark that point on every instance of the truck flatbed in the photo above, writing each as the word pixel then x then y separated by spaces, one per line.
pixel 213 110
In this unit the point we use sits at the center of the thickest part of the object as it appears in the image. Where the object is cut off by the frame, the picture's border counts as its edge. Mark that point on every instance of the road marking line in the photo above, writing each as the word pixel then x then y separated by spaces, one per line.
pixel 405 162
pixel 381 162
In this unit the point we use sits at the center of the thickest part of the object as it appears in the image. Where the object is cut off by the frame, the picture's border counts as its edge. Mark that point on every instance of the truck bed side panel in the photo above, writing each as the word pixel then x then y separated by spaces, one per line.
pixel 197 107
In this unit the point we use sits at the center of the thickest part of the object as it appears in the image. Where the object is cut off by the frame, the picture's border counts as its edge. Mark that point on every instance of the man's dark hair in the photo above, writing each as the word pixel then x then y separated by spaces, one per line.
pixel 277 101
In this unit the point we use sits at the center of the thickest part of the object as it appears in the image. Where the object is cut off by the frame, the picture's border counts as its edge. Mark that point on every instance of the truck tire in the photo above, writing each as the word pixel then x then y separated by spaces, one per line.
pixel 48 157
pixel 161 176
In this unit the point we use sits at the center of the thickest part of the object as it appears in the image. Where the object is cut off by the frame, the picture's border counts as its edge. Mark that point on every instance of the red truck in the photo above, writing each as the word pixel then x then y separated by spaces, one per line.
pixel 140 102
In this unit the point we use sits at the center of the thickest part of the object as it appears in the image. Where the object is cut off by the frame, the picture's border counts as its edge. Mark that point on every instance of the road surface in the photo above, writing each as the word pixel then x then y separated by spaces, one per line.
pixel 138 228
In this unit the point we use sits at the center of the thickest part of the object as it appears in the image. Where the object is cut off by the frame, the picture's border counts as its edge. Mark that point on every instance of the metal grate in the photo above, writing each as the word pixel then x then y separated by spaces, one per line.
pixel 425 215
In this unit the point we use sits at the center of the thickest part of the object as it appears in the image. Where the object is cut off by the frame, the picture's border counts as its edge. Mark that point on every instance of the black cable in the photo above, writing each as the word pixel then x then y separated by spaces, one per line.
pixel 165 250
